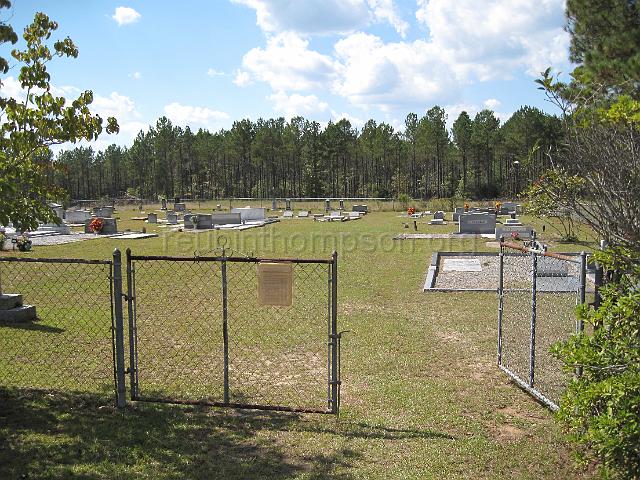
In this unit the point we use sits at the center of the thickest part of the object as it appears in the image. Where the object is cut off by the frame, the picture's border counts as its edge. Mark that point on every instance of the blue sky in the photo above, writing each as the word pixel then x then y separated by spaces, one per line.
pixel 207 63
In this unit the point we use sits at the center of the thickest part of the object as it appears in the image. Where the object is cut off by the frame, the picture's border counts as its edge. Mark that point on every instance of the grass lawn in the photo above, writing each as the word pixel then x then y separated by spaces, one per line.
pixel 422 396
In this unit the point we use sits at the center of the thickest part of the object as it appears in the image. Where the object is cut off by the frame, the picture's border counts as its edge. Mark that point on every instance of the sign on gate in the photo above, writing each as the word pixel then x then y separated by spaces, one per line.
pixel 275 282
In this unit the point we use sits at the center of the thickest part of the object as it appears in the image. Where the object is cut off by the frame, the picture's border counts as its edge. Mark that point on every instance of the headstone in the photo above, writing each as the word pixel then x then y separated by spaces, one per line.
pixel 172 218
pixel 439 215
pixel 226 219
pixel 456 214
pixel 58 210
pixel 354 215
pixel 512 222
pixel 218 207
pixel 152 218
pixel 104 212
pixel 179 207
pixel 360 208
pixel 13 310
pixel 477 223
pixel 274 204
pixel 109 226
pixel 164 204
pixel 187 221
pixel 77 216
pixel 506 231
pixel 248 214
pixel 437 221
pixel 327 205
pixel 552 267
pixel 303 214
pixel 341 207
pixel 204 221
pixel 287 214
pixel 507 208
pixel 287 203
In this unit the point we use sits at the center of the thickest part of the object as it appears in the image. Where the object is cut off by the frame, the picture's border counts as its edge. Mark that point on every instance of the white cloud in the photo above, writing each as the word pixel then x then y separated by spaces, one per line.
pixel 296 104
pixel 488 39
pixel 387 75
pixel 312 17
pixel 355 121
pixel 125 16
pixel 492 103
pixel 242 79
pixel 135 75
pixel 286 63
pixel 189 115
pixel 212 72
pixel 385 10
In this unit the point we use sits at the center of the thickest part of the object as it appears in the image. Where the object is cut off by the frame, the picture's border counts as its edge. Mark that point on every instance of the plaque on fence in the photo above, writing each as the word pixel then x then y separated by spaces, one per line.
pixel 275 281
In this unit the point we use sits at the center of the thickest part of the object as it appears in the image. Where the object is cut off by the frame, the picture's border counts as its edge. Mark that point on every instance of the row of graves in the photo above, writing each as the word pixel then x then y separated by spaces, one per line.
pixel 241 218
pixel 483 222
pixel 330 214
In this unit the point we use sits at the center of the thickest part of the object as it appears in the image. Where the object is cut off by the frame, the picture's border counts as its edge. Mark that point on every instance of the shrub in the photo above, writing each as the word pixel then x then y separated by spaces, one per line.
pixel 601 408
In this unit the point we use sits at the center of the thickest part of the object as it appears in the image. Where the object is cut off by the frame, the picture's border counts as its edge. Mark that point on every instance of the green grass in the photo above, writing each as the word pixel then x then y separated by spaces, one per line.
pixel 422 396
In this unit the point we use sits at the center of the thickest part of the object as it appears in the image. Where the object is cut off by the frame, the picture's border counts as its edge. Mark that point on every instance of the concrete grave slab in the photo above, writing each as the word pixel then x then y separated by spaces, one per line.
pixel 461 265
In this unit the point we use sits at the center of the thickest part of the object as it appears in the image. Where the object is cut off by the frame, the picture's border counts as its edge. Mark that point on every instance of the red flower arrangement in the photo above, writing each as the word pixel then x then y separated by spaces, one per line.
pixel 96 225
pixel 515 235
pixel 411 210
pixel 466 207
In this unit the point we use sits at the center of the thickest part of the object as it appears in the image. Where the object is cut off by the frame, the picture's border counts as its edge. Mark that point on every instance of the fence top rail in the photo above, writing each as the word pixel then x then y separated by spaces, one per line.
pixel 558 256
pixel 229 259
pixel 56 260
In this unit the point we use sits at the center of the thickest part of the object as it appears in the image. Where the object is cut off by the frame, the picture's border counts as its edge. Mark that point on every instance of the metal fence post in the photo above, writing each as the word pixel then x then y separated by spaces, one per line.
pixel 500 302
pixel 119 325
pixel 333 340
pixel 225 331
pixel 532 345
pixel 133 359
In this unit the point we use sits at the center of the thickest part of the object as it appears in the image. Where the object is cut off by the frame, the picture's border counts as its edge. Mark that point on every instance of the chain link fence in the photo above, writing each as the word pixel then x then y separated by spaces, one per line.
pixel 71 345
pixel 538 294
pixel 200 333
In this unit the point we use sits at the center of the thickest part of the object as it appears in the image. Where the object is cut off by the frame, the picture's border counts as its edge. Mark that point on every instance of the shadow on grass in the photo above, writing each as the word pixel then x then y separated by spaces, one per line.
pixel 57 436
pixel 33 326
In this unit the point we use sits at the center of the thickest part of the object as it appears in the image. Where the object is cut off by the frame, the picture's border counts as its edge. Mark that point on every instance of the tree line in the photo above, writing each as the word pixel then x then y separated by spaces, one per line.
pixel 477 158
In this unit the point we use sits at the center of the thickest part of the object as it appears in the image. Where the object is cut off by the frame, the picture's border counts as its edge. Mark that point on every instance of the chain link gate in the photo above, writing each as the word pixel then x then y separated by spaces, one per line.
pixel 538 292
pixel 198 334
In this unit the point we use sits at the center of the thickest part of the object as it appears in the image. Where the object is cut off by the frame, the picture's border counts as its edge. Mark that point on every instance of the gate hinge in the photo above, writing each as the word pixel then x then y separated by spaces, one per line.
pixel 126 297
pixel 335 382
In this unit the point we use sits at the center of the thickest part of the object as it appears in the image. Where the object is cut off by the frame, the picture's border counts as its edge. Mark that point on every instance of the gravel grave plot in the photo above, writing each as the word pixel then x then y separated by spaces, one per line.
pixel 517 274
pixel 61 239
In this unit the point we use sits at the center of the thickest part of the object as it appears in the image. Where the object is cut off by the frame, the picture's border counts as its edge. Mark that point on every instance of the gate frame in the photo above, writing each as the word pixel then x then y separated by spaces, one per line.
pixel 529 386
pixel 333 344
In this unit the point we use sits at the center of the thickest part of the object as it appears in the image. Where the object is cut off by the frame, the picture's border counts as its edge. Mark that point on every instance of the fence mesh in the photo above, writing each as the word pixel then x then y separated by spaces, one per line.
pixel 179 330
pixel 516 313
pixel 277 355
pixel 539 298
pixel 70 346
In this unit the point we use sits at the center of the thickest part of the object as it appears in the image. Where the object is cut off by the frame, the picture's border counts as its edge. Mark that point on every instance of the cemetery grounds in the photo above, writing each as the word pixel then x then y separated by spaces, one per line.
pixel 422 396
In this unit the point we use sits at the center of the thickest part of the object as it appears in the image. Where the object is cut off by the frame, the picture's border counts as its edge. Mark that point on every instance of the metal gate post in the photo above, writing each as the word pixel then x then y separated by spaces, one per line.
pixel 119 325
pixel 333 338
pixel 500 301
pixel 225 331
pixel 532 346
pixel 581 298
pixel 133 333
